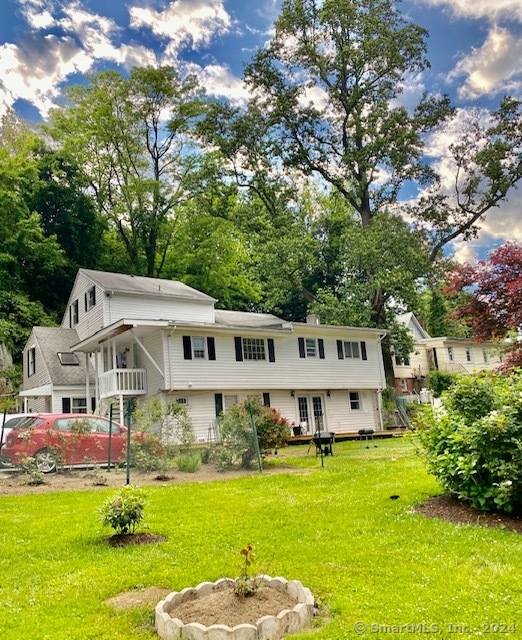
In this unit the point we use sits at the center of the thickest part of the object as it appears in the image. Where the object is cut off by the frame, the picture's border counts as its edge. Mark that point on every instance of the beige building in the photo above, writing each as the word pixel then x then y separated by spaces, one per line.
pixel 460 355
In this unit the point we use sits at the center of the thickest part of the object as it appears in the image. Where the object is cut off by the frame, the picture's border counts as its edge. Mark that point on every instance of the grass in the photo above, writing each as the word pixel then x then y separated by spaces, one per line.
pixel 369 559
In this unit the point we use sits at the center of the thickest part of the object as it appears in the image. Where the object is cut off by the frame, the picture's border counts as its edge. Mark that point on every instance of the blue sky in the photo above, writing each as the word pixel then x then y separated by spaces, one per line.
pixel 475 48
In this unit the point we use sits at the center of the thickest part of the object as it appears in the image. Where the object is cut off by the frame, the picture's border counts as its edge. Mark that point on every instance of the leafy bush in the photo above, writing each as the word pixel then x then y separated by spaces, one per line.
pixel 473 444
pixel 188 462
pixel 205 455
pixel 171 421
pixel 124 511
pixel 147 453
pixel 237 446
pixel 440 381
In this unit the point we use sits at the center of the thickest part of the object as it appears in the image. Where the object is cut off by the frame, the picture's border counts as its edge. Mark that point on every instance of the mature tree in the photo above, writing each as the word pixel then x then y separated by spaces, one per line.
pixel 326 103
pixel 494 302
pixel 132 137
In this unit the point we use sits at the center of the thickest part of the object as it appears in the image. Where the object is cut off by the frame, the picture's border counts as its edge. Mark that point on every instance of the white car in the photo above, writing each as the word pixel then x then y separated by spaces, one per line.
pixel 11 420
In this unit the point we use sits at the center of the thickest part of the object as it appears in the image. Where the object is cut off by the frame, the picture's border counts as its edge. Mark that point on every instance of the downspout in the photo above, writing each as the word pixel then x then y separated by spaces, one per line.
pixel 380 390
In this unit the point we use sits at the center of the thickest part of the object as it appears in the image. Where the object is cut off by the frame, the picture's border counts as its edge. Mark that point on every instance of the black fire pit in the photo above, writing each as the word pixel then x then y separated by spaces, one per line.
pixel 323 443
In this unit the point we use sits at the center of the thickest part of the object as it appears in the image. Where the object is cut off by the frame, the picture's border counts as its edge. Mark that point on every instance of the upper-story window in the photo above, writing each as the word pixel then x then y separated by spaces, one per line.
pixel 73 314
pixel 254 349
pixel 351 349
pixel 31 361
pixel 199 348
pixel 90 298
pixel 311 347
pixel 402 360
pixel 451 354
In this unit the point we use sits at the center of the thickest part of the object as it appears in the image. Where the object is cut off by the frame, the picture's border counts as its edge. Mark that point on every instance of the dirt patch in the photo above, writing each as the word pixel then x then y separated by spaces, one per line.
pixel 447 508
pixel 15 482
pixel 130 539
pixel 148 597
pixel 225 607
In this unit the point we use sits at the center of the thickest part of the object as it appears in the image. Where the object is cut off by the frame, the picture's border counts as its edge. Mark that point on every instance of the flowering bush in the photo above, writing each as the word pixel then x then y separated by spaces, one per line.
pixel 473 445
pixel 237 439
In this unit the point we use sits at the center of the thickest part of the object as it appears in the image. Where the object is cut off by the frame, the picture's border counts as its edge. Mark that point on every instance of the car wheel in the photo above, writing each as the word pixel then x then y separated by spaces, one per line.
pixel 45 461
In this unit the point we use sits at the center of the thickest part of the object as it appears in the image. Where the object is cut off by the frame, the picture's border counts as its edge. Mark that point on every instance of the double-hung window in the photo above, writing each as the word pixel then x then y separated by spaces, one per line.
pixel 199 348
pixel 311 347
pixel 73 314
pixel 90 298
pixel 355 400
pixel 31 361
pixel 351 349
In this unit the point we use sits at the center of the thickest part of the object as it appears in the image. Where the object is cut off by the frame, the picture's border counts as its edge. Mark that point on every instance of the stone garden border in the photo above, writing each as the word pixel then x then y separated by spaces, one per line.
pixel 267 627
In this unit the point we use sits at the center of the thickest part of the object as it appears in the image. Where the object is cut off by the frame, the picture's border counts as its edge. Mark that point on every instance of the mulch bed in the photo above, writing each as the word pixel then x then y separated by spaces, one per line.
pixel 447 508
pixel 127 539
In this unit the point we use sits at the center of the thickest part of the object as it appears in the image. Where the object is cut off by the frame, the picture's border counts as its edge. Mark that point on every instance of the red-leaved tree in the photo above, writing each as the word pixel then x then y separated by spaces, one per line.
pixel 494 303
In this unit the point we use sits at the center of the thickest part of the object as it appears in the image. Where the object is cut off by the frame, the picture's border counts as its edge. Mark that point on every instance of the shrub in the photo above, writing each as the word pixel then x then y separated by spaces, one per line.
pixel 124 511
pixel 188 462
pixel 473 444
pixel 440 381
pixel 237 439
pixel 147 453
pixel 205 455
pixel 170 421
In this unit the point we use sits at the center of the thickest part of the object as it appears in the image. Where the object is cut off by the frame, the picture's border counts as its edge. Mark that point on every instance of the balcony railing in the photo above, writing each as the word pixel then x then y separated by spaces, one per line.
pixel 125 382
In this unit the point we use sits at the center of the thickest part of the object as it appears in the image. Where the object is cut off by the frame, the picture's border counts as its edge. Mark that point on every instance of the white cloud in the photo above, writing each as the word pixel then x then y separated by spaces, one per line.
pixel 35 69
pixel 492 68
pixel 492 10
pixel 184 22
pixel 218 81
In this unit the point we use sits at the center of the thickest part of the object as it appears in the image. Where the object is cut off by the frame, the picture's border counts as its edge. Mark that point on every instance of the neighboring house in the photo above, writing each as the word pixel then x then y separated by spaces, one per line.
pixel 461 355
pixel 147 337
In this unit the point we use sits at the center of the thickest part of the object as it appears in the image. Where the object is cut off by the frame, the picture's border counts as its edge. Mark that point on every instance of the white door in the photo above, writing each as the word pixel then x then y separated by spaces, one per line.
pixel 312 416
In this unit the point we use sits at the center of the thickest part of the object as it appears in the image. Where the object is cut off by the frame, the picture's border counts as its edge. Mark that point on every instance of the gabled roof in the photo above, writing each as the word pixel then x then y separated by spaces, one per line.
pixel 54 340
pixel 140 285
pixel 409 320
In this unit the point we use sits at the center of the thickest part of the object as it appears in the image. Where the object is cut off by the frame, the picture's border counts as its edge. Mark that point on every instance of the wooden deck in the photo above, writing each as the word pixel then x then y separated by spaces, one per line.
pixel 352 435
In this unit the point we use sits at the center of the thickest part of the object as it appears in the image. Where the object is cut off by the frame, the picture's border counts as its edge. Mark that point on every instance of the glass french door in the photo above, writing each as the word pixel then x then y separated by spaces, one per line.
pixel 311 413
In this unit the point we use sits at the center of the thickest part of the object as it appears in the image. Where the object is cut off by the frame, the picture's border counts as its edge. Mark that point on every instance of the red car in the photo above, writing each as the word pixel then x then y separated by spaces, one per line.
pixel 65 438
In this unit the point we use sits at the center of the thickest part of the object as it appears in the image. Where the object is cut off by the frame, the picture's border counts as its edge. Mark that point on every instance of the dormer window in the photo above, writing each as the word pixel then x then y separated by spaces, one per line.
pixel 68 358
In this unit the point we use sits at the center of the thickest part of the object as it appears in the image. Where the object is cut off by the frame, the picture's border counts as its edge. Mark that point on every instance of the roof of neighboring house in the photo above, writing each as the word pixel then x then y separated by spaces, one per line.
pixel 409 320
pixel 123 283
pixel 54 340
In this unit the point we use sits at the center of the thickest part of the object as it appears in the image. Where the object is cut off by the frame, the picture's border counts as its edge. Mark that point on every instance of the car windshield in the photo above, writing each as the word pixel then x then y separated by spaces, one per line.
pixel 26 423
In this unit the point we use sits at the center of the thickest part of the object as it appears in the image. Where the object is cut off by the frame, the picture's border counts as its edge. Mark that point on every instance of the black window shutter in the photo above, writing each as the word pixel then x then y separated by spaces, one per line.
pixel 211 348
pixel 85 300
pixel 364 355
pixel 187 348
pixel 266 399
pixel 93 404
pixel 271 350
pixel 340 353
pixel 70 317
pixel 218 399
pixel 302 353
pixel 93 296
pixel 239 349
pixel 320 342
pixel 66 405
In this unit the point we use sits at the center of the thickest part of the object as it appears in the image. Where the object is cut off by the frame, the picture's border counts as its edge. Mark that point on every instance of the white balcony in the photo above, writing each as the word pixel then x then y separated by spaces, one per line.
pixel 125 382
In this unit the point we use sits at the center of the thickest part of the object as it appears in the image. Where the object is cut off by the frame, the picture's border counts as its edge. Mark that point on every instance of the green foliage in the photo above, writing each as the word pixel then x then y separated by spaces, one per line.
pixel 245 585
pixel 34 476
pixel 473 445
pixel 147 453
pixel 188 462
pixel 237 447
pixel 124 511
pixel 171 421
pixel 440 381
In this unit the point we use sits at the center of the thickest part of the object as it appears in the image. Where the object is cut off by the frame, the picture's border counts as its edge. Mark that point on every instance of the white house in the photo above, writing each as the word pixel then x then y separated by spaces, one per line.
pixel 460 355
pixel 130 337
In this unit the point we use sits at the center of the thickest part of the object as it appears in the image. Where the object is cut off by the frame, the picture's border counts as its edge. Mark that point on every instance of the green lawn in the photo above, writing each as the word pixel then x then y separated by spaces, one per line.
pixel 369 559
